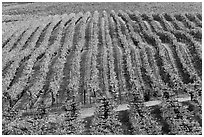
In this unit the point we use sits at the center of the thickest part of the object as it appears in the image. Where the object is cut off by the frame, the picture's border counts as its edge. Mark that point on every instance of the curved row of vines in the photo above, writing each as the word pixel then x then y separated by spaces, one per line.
pixel 65 63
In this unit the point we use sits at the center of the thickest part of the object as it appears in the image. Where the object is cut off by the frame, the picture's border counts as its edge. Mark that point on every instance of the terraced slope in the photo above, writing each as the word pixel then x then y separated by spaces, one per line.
pixel 132 60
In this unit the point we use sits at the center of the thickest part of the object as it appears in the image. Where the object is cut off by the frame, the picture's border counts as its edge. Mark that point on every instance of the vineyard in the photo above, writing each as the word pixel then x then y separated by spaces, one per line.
pixel 104 72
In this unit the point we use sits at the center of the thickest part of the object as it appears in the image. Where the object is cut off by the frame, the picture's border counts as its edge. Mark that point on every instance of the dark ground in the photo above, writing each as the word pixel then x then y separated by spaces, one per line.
pixel 48 8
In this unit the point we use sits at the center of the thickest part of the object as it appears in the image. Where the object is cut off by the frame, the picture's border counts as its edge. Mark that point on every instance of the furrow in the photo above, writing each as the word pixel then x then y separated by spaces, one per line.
pixel 136 41
pixel 10 55
pixel 40 87
pixel 150 61
pixel 104 60
pixel 13 30
pixel 33 87
pixel 113 82
pixel 182 18
pixel 118 60
pixel 73 83
pixel 193 18
pixel 65 60
pixel 176 56
pixel 52 84
pixel 16 90
pixel 95 88
pixel 21 58
pixel 86 98
pixel 127 66
pixel 150 39
pixel 195 51
pixel 14 40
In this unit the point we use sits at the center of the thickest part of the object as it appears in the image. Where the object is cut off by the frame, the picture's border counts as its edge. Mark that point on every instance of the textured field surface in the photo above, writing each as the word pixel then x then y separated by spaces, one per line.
pixel 56 63
pixel 53 8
